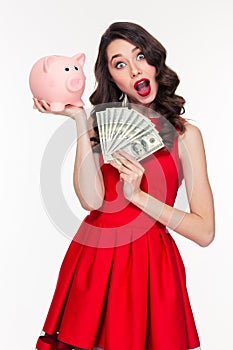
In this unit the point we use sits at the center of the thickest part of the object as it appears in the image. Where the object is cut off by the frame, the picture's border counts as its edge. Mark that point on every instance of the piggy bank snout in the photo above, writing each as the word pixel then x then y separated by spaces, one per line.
pixel 74 83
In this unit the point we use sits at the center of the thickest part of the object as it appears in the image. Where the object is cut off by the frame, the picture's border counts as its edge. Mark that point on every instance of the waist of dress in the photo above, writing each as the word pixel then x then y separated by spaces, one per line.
pixel 108 230
pixel 115 228
pixel 130 217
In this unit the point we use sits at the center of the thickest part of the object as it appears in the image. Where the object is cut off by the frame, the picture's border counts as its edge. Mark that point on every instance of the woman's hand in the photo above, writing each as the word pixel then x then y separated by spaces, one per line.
pixel 69 111
pixel 131 172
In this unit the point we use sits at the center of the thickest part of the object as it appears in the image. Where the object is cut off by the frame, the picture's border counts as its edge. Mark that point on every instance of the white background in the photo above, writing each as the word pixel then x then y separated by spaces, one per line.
pixel 198 39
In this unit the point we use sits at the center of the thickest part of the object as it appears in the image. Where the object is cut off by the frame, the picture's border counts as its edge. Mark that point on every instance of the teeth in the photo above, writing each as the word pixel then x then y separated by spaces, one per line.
pixel 143 82
pixel 139 84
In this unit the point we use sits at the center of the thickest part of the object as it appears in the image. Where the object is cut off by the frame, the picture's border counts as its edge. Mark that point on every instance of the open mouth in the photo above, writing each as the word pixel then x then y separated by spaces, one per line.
pixel 142 87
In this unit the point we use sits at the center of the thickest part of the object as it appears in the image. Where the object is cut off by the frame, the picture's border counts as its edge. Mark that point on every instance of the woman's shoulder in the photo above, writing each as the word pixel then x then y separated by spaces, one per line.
pixel 183 120
pixel 186 128
pixel 191 138
pixel 190 128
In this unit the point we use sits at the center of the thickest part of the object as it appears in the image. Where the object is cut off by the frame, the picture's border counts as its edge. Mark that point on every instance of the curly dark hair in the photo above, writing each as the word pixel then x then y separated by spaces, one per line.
pixel 166 102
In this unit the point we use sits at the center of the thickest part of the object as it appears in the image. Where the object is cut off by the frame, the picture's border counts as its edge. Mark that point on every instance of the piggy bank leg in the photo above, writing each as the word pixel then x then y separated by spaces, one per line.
pixel 57 106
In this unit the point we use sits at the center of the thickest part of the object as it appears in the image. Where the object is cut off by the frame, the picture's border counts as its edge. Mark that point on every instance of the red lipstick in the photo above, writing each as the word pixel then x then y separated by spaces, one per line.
pixel 142 87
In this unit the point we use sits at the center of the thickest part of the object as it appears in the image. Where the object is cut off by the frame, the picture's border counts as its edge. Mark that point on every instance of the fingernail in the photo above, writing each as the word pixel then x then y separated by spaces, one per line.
pixel 117 161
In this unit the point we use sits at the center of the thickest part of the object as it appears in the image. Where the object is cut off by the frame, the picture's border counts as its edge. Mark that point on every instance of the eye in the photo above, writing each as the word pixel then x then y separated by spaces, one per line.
pixel 67 69
pixel 140 56
pixel 75 67
pixel 120 65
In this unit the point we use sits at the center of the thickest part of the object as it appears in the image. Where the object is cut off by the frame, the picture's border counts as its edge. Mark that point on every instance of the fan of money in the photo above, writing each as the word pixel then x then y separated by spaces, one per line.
pixel 127 129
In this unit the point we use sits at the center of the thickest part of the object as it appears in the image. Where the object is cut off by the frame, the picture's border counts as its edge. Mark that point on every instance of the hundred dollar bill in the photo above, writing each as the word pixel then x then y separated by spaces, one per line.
pixel 136 128
pixel 129 130
pixel 119 123
pixel 144 146
pixel 99 118
pixel 130 123
pixel 112 116
pixel 140 147
pixel 107 124
pixel 105 120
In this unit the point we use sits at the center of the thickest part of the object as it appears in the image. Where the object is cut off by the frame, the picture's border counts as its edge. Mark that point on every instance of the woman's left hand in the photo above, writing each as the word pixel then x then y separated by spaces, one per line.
pixel 131 172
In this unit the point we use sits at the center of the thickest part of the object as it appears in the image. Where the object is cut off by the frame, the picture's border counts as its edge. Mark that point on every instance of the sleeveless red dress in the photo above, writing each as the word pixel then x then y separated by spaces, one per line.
pixel 122 282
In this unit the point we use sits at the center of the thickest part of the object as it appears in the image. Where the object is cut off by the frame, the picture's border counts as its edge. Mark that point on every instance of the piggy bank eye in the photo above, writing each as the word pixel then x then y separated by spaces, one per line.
pixel 75 67
pixel 67 69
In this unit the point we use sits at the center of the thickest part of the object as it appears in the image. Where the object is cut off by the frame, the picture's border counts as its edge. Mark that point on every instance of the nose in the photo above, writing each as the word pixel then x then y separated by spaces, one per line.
pixel 74 83
pixel 134 70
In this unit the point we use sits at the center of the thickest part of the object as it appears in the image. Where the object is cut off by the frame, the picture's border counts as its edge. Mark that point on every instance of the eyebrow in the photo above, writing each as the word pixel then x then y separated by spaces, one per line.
pixel 120 55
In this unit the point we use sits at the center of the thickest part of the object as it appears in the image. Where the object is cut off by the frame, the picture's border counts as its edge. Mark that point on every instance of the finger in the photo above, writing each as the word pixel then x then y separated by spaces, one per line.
pixel 38 105
pixel 119 166
pixel 45 105
pixel 128 161
pixel 117 161
pixel 124 163
pixel 122 177
pixel 126 154
pixel 131 158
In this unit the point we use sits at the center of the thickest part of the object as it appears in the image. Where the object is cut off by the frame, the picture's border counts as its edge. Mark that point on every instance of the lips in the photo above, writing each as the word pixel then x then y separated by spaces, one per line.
pixel 142 87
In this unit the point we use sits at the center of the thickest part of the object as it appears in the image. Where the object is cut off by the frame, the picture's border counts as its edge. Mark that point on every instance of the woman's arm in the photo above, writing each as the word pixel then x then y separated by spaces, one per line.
pixel 87 177
pixel 198 225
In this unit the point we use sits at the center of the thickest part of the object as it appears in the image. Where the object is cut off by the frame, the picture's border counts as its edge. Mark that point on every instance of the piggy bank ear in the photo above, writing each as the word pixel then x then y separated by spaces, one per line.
pixel 48 62
pixel 80 57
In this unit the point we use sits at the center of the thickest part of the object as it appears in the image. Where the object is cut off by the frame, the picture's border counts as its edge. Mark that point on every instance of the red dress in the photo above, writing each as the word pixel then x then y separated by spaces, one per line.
pixel 122 282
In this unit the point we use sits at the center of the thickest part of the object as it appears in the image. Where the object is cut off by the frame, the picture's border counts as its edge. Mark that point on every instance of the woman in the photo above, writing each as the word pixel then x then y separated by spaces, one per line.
pixel 122 282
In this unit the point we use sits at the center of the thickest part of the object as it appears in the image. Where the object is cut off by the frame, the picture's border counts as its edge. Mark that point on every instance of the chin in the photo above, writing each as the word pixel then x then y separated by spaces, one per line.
pixel 145 100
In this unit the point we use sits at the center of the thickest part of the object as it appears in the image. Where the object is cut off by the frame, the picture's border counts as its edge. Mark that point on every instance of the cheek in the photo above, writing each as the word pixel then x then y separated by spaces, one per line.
pixel 152 71
pixel 119 81
pixel 119 77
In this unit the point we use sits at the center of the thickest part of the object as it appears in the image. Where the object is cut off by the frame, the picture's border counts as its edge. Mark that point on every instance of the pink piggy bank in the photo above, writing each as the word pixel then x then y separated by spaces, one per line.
pixel 58 80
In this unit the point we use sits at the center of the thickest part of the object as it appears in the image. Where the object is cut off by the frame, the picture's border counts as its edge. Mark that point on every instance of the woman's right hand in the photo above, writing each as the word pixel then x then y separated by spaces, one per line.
pixel 69 111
